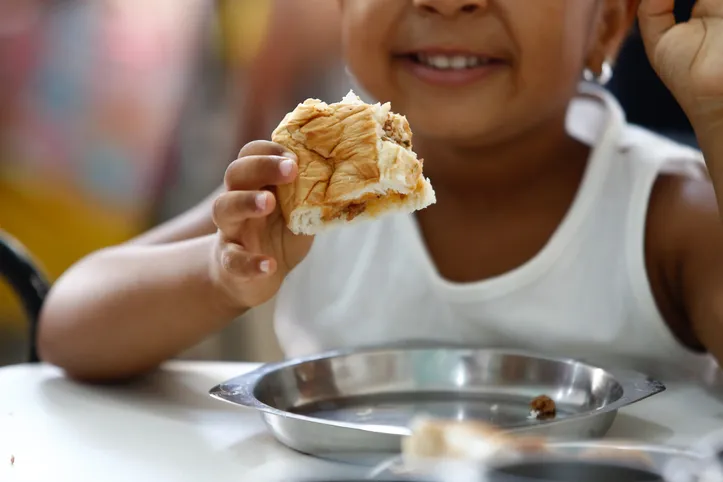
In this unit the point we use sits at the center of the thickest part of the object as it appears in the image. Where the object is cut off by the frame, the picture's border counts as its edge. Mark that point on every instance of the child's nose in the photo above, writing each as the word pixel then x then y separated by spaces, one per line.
pixel 450 8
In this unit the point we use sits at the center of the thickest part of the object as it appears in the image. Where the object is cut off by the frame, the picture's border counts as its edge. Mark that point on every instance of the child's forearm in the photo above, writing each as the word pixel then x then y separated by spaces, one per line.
pixel 123 311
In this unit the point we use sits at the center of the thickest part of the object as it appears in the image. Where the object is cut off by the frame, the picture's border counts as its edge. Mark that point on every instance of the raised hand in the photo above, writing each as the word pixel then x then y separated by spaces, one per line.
pixel 687 56
pixel 255 250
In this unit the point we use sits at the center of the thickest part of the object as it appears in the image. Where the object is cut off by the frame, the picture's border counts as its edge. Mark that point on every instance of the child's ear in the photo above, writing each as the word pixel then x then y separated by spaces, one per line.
pixel 615 20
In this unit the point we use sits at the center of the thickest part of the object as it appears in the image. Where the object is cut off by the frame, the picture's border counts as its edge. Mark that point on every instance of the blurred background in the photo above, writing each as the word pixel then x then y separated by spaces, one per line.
pixel 116 115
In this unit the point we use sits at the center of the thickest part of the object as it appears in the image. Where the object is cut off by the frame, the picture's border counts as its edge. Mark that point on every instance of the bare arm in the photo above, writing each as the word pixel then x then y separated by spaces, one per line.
pixel 686 56
pixel 701 249
pixel 686 226
pixel 193 223
pixel 123 310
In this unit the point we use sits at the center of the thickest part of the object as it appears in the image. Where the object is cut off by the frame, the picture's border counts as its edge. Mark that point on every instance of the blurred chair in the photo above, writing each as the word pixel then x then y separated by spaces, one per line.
pixel 21 271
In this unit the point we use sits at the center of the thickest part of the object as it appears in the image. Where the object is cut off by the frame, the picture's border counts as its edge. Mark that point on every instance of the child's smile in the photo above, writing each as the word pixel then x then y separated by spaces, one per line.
pixel 451 66
pixel 473 71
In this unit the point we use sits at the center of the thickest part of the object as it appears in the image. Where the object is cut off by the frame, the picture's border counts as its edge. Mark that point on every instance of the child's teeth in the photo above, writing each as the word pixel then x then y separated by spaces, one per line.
pixel 458 62
pixel 440 61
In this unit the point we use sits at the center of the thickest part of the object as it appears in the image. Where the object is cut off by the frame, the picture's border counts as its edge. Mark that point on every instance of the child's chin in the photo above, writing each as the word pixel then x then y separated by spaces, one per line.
pixel 454 129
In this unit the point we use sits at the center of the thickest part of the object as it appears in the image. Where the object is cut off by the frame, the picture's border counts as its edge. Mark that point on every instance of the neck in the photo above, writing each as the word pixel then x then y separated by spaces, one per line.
pixel 503 169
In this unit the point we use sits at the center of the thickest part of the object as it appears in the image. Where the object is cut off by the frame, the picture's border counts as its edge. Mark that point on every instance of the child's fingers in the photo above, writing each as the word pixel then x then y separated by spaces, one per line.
pixel 708 8
pixel 655 18
pixel 255 172
pixel 245 266
pixel 233 207
pixel 265 148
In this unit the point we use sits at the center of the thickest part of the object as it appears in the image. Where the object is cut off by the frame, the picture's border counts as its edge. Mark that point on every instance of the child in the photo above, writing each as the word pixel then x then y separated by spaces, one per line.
pixel 601 241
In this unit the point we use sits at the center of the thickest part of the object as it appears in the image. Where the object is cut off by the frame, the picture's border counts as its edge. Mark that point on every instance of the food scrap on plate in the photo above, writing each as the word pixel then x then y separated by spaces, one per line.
pixel 543 408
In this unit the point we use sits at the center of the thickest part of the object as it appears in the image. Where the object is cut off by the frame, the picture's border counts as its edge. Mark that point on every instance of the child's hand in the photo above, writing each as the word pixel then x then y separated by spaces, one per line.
pixel 688 56
pixel 255 250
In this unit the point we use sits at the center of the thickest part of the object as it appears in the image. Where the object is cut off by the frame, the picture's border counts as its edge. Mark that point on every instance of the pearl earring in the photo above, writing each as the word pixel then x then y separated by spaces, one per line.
pixel 606 73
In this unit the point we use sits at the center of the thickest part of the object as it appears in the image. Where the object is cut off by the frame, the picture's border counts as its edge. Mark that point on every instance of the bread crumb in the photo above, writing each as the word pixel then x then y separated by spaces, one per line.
pixel 542 408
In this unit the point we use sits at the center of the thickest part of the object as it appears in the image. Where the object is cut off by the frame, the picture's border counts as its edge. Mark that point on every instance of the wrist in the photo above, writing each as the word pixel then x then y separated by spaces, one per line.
pixel 709 134
pixel 225 303
pixel 707 121
pixel 224 298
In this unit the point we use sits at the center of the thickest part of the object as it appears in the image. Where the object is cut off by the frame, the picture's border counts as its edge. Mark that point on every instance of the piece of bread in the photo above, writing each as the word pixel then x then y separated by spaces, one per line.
pixel 617 455
pixel 465 440
pixel 355 163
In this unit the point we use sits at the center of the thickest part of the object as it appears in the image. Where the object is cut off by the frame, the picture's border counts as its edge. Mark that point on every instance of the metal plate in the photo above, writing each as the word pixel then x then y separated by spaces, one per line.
pixel 355 405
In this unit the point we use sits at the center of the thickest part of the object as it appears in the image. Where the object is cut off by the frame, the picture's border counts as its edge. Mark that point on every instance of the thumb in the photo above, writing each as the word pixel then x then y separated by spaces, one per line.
pixel 655 18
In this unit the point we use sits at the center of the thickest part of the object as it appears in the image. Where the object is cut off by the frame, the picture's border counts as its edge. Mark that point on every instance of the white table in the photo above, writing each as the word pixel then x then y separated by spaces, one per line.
pixel 167 428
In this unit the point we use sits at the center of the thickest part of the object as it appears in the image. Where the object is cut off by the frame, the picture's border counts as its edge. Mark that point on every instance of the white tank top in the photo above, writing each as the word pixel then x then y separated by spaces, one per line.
pixel 585 295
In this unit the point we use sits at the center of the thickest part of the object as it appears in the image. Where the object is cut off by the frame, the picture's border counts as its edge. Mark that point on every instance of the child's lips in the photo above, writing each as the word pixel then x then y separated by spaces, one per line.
pixel 449 75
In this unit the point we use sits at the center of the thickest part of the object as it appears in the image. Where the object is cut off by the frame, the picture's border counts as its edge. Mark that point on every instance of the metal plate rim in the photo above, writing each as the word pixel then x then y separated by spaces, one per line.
pixel 240 390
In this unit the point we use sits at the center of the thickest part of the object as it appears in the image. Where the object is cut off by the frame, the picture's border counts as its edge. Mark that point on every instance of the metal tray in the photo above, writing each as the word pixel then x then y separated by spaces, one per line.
pixel 356 405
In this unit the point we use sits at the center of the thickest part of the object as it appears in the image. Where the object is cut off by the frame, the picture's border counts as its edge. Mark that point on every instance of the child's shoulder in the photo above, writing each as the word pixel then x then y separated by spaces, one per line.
pixel 681 190
pixel 673 154
pixel 683 219
pixel 597 119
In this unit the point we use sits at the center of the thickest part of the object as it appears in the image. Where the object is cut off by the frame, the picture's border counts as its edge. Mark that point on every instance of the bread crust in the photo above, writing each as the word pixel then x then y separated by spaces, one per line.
pixel 355 161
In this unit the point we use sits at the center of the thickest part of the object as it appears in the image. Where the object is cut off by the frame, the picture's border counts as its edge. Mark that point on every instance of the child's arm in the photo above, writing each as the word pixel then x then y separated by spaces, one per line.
pixel 685 215
pixel 140 287
pixel 122 311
